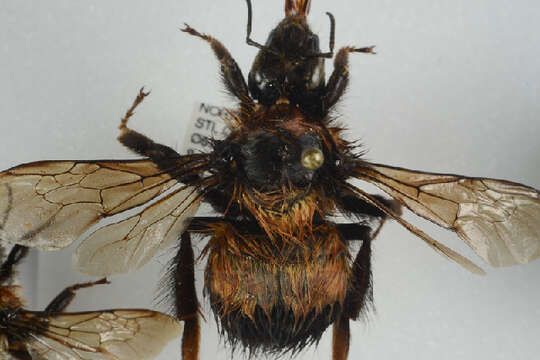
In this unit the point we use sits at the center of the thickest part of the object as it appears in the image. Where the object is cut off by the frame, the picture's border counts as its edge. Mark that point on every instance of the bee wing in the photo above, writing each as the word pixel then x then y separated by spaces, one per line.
pixel 498 219
pixel 131 243
pixel 111 335
pixel 49 204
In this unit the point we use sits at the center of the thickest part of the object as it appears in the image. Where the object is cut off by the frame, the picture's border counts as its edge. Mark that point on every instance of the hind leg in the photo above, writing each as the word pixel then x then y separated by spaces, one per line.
pixel 185 297
pixel 358 298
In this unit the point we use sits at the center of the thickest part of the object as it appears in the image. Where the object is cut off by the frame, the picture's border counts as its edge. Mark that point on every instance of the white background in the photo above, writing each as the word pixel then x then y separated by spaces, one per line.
pixel 454 88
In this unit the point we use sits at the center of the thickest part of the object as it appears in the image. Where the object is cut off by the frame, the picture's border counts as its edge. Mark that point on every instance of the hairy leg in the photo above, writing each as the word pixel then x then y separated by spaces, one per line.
pixel 164 156
pixel 230 71
pixel 359 296
pixel 338 81
pixel 62 300
pixel 186 302
pixel 17 253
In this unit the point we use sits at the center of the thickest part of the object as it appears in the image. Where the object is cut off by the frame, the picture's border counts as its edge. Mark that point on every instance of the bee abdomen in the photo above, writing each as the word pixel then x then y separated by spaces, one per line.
pixel 280 298
pixel 277 332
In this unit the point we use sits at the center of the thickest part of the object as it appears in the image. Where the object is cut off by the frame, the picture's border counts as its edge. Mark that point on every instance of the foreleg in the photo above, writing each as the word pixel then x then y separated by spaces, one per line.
pixel 338 81
pixel 164 156
pixel 230 71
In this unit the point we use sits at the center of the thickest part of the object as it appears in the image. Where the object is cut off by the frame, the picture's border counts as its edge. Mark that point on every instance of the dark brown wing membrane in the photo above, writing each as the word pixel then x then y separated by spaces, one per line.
pixel 499 220
pixel 49 204
pixel 111 335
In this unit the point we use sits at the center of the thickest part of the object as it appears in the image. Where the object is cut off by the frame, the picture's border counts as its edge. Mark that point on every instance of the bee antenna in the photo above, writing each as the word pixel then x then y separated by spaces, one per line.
pixel 329 54
pixel 332 31
pixel 251 42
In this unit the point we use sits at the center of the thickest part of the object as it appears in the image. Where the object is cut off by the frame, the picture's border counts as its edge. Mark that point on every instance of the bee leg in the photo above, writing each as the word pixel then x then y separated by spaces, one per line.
pixel 230 71
pixel 338 81
pixel 200 224
pixel 341 336
pixel 358 298
pixel 17 253
pixel 20 354
pixel 62 300
pixel 353 232
pixel 351 203
pixel 249 40
pixel 162 155
pixel 354 205
pixel 186 303
pixel 360 293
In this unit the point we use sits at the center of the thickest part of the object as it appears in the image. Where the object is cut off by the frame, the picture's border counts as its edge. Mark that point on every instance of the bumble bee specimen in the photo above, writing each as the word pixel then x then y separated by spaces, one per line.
pixel 280 270
pixel 53 334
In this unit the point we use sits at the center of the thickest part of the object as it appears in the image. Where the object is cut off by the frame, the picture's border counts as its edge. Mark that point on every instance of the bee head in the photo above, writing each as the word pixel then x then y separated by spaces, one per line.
pixel 289 66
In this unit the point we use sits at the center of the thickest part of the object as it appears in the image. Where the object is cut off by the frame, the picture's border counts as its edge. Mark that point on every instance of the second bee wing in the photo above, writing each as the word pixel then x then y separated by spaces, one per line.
pixel 498 219
pixel 114 335
pixel 131 243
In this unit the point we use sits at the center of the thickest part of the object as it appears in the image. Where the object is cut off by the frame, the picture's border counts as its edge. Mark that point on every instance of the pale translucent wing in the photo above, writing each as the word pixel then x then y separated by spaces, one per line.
pixel 498 219
pixel 114 335
pixel 49 204
pixel 131 243
pixel 435 245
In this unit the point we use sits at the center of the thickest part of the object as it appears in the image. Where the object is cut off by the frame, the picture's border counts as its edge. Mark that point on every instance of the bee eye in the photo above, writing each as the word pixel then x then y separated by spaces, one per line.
pixel 316 78
pixel 312 159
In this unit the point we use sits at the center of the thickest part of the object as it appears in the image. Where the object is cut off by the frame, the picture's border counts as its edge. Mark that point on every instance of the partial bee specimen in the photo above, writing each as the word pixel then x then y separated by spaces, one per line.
pixel 129 334
pixel 280 270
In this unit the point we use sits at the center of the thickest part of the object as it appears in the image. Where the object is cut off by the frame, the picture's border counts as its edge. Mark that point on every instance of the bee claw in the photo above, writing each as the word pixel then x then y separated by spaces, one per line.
pixel 367 49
